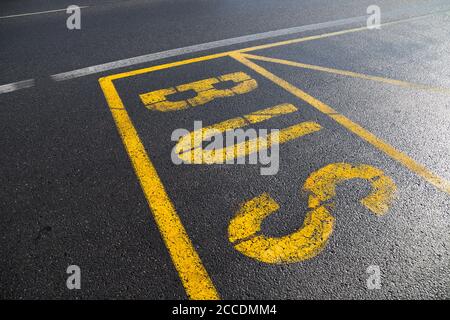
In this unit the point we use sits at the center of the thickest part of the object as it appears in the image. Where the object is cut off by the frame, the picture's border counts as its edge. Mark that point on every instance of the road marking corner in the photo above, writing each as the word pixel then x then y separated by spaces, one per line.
pixel 405 160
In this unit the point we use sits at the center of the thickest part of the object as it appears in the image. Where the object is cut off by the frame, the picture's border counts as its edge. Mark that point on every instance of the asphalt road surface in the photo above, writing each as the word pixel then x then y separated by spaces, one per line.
pixel 358 206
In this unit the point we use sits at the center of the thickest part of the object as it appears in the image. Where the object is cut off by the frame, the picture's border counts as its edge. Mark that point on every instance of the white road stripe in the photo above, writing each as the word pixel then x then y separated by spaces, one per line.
pixel 199 47
pixel 16 86
pixel 223 43
pixel 33 13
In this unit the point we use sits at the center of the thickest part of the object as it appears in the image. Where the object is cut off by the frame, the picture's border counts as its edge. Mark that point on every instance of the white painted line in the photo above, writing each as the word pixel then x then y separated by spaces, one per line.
pixel 199 47
pixel 16 86
pixel 223 43
pixel 34 13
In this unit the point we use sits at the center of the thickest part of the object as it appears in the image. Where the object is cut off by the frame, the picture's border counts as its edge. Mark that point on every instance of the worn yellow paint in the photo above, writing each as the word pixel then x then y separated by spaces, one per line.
pixel 399 83
pixel 321 185
pixel 204 89
pixel 244 83
pixel 193 274
pixel 194 139
pixel 157 100
pixel 189 147
pixel 244 230
pixel 402 158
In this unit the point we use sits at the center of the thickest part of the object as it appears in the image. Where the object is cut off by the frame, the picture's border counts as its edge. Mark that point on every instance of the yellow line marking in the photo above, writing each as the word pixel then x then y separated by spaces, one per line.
pixel 167 66
pixel 308 241
pixel 193 275
pixel 298 40
pixel 326 35
pixel 190 268
pixel 400 83
pixel 408 162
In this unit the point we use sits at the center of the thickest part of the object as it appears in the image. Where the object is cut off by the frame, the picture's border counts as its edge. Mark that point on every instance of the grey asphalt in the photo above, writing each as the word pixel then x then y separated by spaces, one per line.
pixel 69 194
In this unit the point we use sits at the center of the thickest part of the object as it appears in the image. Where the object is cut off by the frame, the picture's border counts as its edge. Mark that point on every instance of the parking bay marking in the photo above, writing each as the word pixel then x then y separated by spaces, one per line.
pixel 193 274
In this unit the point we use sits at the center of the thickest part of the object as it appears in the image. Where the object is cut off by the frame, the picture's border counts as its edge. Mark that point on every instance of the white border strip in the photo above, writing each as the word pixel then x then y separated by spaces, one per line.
pixel 228 42
pixel 196 48
pixel 34 13
pixel 199 47
pixel 10 87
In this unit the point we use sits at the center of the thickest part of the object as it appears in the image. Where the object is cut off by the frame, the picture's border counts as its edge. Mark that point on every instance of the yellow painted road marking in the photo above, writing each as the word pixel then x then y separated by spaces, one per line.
pixel 400 83
pixel 205 92
pixel 193 275
pixel 189 147
pixel 190 268
pixel 245 228
pixel 408 162
pixel 244 232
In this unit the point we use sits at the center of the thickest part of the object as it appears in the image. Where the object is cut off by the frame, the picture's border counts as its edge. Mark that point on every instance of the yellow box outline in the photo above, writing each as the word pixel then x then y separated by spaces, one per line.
pixel 193 274
pixel 195 278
